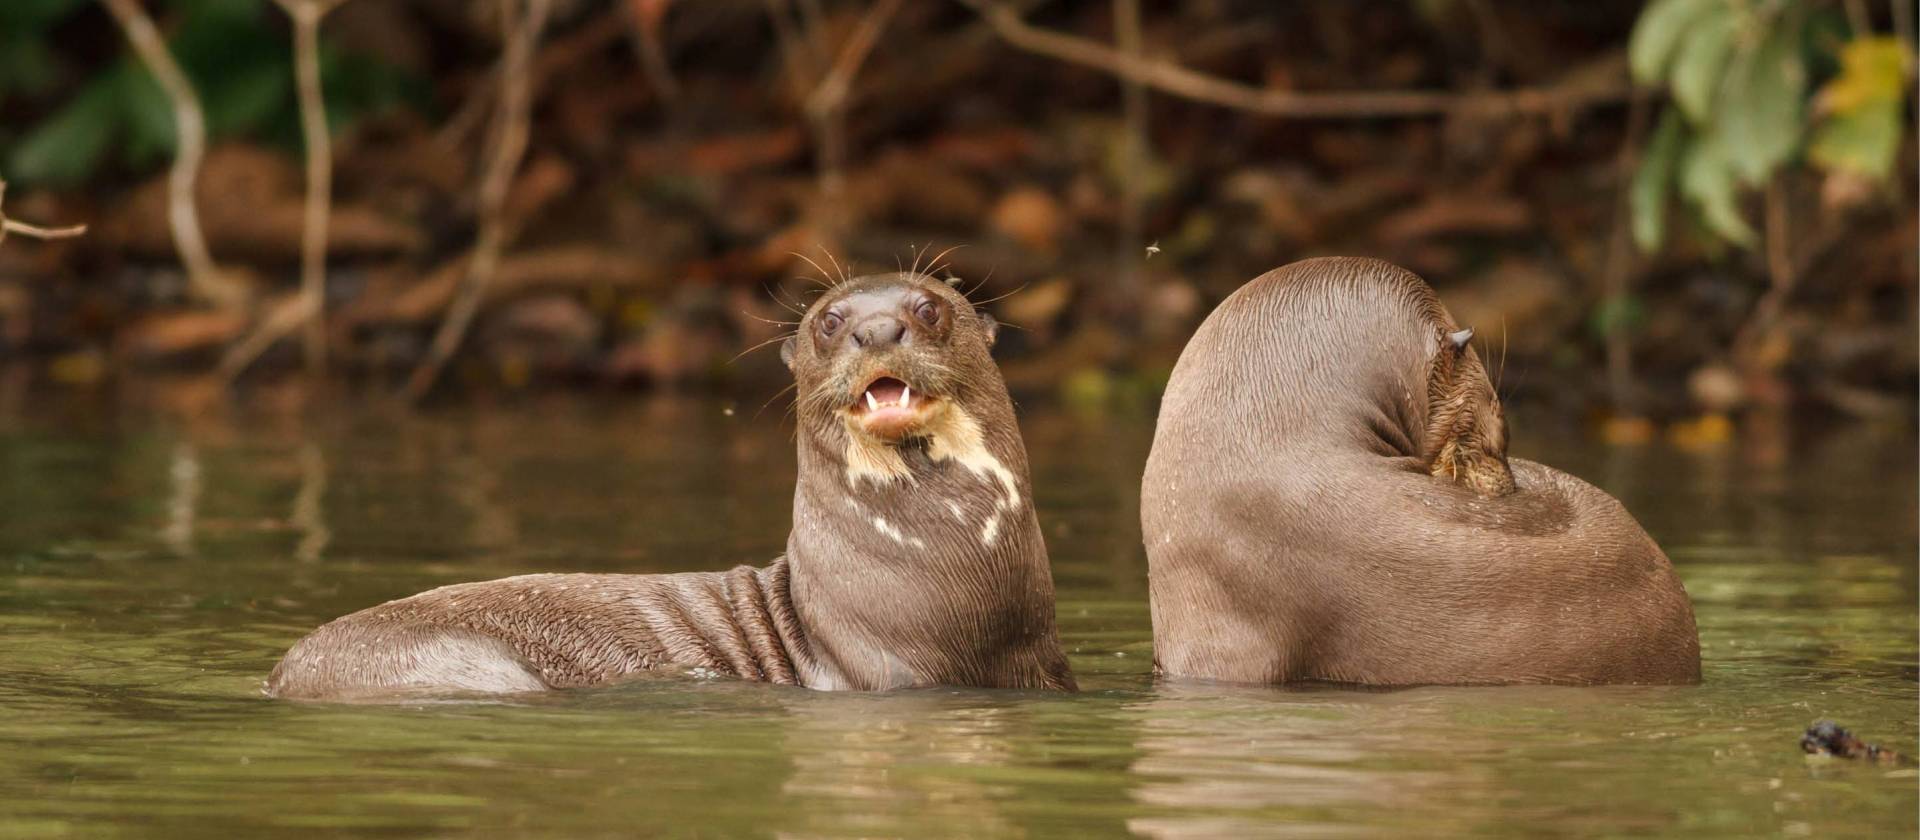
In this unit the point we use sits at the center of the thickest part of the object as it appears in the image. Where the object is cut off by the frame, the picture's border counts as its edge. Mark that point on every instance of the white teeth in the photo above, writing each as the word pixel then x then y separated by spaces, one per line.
pixel 906 395
pixel 872 403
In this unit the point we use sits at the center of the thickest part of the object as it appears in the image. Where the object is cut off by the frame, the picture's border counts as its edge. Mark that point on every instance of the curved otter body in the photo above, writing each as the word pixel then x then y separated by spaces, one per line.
pixel 915 556
pixel 1329 498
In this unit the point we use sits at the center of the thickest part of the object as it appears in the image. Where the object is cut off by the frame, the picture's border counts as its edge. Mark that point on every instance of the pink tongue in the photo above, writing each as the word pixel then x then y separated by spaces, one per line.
pixel 886 391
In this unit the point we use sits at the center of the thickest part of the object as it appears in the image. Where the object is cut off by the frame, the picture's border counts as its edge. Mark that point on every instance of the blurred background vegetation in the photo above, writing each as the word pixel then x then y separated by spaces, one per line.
pixel 1663 216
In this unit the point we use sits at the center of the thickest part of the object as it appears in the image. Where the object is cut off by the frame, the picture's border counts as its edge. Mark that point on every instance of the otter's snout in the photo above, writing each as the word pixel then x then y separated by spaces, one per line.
pixel 879 331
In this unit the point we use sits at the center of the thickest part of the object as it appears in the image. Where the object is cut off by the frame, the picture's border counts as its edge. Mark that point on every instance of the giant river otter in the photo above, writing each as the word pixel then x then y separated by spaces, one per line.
pixel 1329 498
pixel 915 558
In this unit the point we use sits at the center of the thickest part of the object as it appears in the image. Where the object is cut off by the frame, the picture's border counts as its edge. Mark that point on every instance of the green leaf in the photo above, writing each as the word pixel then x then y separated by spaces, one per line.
pixel 26 65
pixel 1657 34
pixel 1653 180
pixel 1864 140
pixel 149 117
pixel 64 148
pixel 1709 183
pixel 1702 64
pixel 1762 106
pixel 248 99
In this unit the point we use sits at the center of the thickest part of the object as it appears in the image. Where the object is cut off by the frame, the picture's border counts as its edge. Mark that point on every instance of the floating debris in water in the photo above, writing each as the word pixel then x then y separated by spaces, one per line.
pixel 1829 739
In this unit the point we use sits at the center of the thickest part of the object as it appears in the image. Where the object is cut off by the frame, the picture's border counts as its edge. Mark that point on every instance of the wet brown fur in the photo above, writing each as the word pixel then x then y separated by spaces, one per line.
pixel 925 600
pixel 1466 436
pixel 1329 498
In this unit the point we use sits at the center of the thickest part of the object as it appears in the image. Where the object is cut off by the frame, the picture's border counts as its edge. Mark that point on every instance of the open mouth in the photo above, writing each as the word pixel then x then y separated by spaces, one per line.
pixel 889 409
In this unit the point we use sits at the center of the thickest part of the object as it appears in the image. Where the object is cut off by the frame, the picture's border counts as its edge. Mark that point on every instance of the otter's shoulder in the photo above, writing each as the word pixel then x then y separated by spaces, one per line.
pixel 1333 290
pixel 1337 277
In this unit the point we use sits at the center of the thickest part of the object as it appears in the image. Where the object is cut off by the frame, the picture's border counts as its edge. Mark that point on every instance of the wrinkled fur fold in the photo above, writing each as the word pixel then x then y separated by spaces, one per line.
pixel 553 631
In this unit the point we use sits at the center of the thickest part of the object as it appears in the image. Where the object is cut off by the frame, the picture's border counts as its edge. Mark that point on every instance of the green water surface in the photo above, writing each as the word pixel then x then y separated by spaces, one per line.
pixel 152 571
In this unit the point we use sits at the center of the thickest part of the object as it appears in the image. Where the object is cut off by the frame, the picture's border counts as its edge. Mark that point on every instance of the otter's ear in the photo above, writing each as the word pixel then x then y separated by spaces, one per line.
pixel 786 352
pixel 953 282
pixel 989 324
pixel 1460 339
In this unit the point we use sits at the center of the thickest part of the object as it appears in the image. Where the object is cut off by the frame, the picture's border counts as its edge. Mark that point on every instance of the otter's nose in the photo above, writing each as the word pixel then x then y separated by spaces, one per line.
pixel 876 333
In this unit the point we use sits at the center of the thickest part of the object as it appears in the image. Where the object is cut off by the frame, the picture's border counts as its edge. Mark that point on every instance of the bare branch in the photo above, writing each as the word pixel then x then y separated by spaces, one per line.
pixel 1171 78
pixel 279 320
pixel 832 92
pixel 8 226
pixel 798 57
pixel 511 130
pixel 1133 153
pixel 1903 25
pixel 204 276
pixel 38 232
pixel 644 19
pixel 309 309
pixel 1616 272
pixel 306 15
pixel 826 106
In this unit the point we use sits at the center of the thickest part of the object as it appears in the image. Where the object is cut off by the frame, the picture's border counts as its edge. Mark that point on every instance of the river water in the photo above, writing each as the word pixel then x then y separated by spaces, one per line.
pixel 152 571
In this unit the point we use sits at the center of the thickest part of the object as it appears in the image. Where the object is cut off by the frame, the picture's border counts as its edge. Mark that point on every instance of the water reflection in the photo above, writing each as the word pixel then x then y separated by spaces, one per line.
pixel 183 498
pixel 309 514
pixel 151 572
pixel 888 766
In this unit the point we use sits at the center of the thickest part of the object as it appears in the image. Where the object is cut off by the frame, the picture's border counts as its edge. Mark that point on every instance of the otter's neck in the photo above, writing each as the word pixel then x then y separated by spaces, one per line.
pixel 922 563
pixel 1465 439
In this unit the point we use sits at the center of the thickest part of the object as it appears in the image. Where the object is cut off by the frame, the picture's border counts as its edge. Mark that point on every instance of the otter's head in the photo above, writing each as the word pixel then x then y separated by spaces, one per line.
pixel 1466 438
pixel 888 356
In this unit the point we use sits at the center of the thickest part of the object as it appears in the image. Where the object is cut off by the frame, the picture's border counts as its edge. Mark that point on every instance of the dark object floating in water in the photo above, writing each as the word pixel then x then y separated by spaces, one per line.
pixel 1828 738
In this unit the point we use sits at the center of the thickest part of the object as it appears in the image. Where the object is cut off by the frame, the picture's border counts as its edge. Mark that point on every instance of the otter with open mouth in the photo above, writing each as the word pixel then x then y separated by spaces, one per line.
pixel 915 557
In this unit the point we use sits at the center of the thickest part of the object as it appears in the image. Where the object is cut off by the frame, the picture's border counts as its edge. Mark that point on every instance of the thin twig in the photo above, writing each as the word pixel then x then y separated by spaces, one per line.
pixel 1857 18
pixel 279 321
pixel 644 19
pixel 1781 275
pixel 1133 99
pixel 1617 272
pixel 826 107
pixel 204 276
pixel 307 15
pixel 1176 80
pixel 799 61
pixel 309 310
pixel 8 226
pixel 1780 270
pixel 814 16
pixel 511 130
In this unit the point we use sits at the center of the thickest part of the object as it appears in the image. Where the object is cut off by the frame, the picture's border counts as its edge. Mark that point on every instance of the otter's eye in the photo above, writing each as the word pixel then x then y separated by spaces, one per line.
pixel 830 323
pixel 927 312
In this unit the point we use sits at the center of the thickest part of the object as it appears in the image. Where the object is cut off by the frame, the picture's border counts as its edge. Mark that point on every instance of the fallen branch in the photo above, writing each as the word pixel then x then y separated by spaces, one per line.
pixel 1170 78
pixel 8 226
pixel 571 268
pixel 508 146
pixel 204 276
